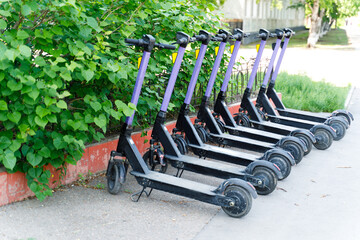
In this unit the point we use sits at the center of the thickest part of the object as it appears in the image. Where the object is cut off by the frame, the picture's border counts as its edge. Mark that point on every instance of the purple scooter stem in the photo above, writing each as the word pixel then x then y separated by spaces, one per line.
pixel 275 73
pixel 215 69
pixel 230 66
pixel 195 74
pixel 172 80
pixel 138 84
pixel 256 64
pixel 271 64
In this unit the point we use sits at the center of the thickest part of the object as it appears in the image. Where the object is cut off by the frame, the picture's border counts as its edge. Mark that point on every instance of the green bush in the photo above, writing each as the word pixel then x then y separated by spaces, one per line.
pixel 66 74
pixel 300 92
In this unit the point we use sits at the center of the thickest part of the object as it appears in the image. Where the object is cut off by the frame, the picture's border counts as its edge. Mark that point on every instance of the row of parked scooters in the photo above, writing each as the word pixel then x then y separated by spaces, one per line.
pixel 282 136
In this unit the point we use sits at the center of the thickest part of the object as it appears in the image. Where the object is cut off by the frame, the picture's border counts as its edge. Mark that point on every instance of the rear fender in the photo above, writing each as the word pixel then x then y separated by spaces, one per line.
pixel 334 119
pixel 305 132
pixel 325 127
pixel 286 139
pixel 238 182
pixel 277 151
pixel 262 163
pixel 343 112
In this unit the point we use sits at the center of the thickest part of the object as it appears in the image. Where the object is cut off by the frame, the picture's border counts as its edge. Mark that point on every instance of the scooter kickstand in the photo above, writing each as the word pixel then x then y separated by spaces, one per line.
pixel 132 197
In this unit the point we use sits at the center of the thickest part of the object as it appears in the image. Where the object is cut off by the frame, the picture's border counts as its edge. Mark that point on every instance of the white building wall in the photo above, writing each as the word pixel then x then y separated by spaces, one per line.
pixel 255 16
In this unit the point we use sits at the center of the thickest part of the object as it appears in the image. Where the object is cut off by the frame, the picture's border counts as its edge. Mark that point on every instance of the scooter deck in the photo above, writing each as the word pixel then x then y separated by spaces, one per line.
pixel 206 167
pixel 252 133
pixel 273 127
pixel 178 183
pixel 293 122
pixel 242 142
pixel 293 113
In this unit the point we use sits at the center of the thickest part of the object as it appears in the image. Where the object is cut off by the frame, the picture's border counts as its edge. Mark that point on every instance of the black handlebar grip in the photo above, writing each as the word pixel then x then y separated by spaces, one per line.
pixel 166 46
pixel 272 35
pixel 132 41
pixel 246 35
pixel 218 39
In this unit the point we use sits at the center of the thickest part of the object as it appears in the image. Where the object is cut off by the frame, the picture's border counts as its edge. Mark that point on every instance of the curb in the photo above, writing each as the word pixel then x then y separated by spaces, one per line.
pixel 348 98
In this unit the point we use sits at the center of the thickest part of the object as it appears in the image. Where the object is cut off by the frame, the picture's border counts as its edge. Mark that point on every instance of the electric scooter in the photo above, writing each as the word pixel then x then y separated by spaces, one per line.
pixel 323 134
pixel 194 141
pixel 260 174
pixel 233 195
pixel 280 108
pixel 268 112
pixel 215 130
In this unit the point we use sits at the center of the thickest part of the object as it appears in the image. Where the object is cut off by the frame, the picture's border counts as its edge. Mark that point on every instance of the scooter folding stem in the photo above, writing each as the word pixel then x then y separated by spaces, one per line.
pixel 215 69
pixel 138 84
pixel 195 74
pixel 230 66
pixel 172 80
pixel 256 64
pixel 275 73
pixel 271 64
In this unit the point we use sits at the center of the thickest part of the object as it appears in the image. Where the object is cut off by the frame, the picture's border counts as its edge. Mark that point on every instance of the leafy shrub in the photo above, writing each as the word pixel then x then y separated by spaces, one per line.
pixel 66 74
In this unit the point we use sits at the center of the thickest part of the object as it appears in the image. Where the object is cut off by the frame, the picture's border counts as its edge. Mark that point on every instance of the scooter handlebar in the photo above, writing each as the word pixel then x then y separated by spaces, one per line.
pixel 272 35
pixel 261 35
pixel 136 42
pixel 217 39
pixel 165 46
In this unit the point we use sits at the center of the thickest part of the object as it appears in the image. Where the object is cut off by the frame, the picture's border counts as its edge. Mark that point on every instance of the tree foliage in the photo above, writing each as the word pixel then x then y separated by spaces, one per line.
pixel 66 74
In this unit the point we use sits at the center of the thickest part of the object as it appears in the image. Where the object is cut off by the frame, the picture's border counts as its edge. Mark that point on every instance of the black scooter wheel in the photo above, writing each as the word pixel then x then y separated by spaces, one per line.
pixel 282 163
pixel 323 139
pixel 241 201
pixel 181 145
pixel 155 164
pixel 220 124
pixel 295 149
pixel 113 180
pixel 306 140
pixel 267 177
pixel 345 117
pixel 262 115
pixel 202 133
pixel 340 129
pixel 242 119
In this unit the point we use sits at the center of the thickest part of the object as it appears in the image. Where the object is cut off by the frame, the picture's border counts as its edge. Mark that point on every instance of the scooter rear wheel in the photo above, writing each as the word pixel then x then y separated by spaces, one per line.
pixel 268 178
pixel 323 139
pixel 220 124
pixel 113 180
pixel 282 163
pixel 340 129
pixel 181 145
pixel 202 133
pixel 295 150
pixel 242 119
pixel 307 142
pixel 241 199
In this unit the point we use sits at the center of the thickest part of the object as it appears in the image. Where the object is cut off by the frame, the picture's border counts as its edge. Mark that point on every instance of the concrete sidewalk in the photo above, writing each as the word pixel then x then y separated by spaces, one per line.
pixel 317 201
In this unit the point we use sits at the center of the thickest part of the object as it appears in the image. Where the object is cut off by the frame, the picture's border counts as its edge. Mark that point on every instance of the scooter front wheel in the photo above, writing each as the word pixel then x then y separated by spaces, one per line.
pixel 340 129
pixel 306 140
pixel 113 180
pixel 295 150
pixel 242 119
pixel 241 204
pixel 158 163
pixel 323 139
pixel 268 178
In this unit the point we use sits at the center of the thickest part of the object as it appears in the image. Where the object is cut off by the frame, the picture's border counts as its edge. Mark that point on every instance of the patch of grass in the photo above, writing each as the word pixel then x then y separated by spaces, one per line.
pixel 300 92
pixel 336 37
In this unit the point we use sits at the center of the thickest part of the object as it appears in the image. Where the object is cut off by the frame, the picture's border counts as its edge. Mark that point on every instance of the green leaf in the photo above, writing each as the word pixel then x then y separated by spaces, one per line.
pixel 93 23
pixel 41 122
pixel 14 86
pixel 4 142
pixel 95 105
pixel 59 143
pixel 11 54
pixel 34 93
pixel 21 34
pixel 40 61
pixel 15 145
pixel 3 24
pixel 33 159
pixel 87 74
pixel 42 112
pixel 61 104
pixel 25 50
pixel 5 13
pixel 14 117
pixel 10 160
pixel 25 10
pixel 52 118
pixel 45 152
pixel 3 105
pixel 100 121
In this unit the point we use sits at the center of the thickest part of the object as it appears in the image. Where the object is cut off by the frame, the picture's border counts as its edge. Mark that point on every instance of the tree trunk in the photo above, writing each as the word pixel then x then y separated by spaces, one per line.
pixel 315 26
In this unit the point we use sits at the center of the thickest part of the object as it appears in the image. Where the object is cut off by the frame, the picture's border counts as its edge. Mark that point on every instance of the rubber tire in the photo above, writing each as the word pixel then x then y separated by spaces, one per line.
pixel 306 140
pixel 266 176
pixel 146 157
pixel 181 145
pixel 326 139
pixel 340 130
pixel 295 150
pixel 262 114
pixel 242 120
pixel 202 134
pixel 243 201
pixel 220 124
pixel 344 116
pixel 113 180
pixel 282 163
